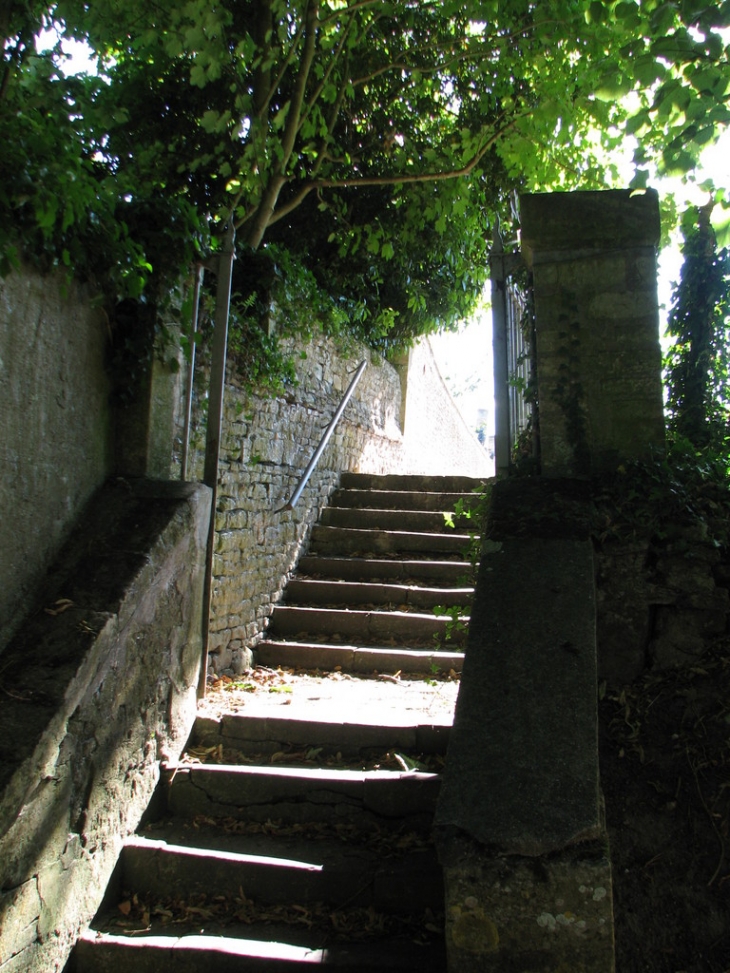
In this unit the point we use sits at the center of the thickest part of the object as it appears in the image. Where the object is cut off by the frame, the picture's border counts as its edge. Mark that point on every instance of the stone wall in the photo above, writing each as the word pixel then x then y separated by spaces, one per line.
pixel 437 439
pixel 266 446
pixel 660 604
pixel 99 687
pixel 55 448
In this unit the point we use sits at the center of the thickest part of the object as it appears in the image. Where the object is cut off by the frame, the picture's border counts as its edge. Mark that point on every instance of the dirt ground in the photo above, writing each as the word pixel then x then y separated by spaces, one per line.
pixel 665 768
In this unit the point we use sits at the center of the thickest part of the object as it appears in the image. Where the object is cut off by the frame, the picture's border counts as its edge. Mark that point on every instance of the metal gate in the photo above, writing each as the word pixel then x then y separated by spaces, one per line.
pixel 512 343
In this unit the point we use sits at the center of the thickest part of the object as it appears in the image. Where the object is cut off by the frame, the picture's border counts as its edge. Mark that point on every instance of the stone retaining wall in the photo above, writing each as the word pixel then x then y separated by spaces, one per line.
pixel 99 687
pixel 266 444
pixel 659 605
pixel 55 448
pixel 399 420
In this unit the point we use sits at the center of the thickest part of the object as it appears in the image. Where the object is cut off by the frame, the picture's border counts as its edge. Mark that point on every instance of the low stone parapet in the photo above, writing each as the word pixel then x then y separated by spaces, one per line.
pixel 99 684
pixel 519 824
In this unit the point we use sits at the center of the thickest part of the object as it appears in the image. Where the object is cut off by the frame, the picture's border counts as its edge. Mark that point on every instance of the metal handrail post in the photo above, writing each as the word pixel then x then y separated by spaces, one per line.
pixel 215 422
pixel 191 374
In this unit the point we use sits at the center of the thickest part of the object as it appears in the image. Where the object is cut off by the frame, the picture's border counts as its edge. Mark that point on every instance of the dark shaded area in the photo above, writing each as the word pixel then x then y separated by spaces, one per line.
pixel 665 772
pixel 540 507
pixel 82 591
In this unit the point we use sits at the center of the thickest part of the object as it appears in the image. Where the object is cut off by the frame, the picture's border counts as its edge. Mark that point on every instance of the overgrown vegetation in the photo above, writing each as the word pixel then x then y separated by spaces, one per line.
pixel 659 498
pixel 698 381
pixel 371 142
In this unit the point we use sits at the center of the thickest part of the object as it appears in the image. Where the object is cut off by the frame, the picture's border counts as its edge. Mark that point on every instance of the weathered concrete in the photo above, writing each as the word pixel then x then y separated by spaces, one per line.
pixel 593 258
pixel 261 793
pixel 527 915
pixel 528 766
pixel 55 448
pixel 249 733
pixel 405 886
pixel 145 428
pixel 519 822
pixel 308 655
pixel 99 684
pixel 327 540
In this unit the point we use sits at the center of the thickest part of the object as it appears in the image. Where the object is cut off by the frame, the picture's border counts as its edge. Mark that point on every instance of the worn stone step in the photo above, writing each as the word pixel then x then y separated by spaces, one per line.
pixel 346 540
pixel 373 518
pixel 224 953
pixel 324 870
pixel 312 592
pixel 410 483
pixel 401 499
pixel 376 798
pixel 252 733
pixel 435 572
pixel 358 659
pixel 368 627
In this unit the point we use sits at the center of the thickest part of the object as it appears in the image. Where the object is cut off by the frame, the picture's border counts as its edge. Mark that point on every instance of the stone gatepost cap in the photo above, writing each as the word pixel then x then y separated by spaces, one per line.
pixel 579 221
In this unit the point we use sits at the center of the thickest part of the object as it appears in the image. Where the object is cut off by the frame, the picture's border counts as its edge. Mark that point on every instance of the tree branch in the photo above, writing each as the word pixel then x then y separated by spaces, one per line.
pixel 291 127
pixel 395 179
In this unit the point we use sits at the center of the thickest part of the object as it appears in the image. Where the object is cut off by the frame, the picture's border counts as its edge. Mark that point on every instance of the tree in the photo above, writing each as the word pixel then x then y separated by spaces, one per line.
pixel 387 133
pixel 698 363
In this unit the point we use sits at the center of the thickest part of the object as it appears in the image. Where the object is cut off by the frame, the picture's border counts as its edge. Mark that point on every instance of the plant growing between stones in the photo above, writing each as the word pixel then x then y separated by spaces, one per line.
pixel 456 623
pixel 472 509
pixel 659 497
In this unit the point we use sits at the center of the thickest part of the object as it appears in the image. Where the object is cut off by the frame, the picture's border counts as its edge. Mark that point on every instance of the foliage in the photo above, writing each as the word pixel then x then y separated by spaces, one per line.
pixel 375 140
pixel 697 364
pixel 663 496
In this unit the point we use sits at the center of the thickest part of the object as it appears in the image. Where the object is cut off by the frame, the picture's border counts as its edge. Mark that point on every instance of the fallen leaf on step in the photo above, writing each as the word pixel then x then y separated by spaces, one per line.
pixel 59 606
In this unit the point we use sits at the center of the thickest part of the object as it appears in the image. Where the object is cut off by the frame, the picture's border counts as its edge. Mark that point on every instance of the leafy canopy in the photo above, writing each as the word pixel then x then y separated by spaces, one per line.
pixel 375 141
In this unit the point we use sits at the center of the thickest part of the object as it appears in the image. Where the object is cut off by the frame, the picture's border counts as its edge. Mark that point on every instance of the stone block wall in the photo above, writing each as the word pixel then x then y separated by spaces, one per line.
pixel 437 439
pixel 593 257
pixel 266 445
pixel 56 442
pixel 399 420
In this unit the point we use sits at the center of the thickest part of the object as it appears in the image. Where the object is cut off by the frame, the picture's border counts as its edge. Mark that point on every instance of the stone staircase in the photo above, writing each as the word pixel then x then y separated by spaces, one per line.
pixel 296 828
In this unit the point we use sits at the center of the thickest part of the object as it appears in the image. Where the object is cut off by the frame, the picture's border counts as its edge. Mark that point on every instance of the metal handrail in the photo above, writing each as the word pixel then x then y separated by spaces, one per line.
pixel 289 505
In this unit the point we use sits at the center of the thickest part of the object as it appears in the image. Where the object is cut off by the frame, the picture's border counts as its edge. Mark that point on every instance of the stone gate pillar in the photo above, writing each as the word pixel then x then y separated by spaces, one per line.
pixel 593 258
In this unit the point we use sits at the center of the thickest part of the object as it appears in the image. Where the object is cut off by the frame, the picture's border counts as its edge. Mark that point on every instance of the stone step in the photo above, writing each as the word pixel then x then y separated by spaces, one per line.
pixel 224 953
pixel 411 483
pixel 377 798
pixel 357 659
pixel 366 627
pixel 401 499
pixel 374 518
pixel 253 734
pixel 344 540
pixel 436 572
pixel 280 872
pixel 308 591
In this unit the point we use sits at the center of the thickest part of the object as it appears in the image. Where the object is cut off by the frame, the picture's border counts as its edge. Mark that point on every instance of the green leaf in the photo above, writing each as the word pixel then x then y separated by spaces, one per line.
pixel 595 13
pixel 279 119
